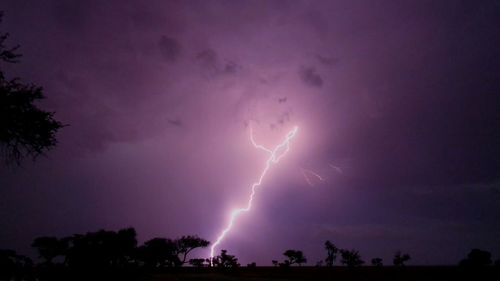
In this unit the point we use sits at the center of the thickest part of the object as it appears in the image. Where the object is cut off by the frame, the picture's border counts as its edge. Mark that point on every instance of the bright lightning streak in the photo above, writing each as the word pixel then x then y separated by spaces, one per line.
pixel 306 178
pixel 315 174
pixel 305 172
pixel 337 169
pixel 258 145
pixel 275 155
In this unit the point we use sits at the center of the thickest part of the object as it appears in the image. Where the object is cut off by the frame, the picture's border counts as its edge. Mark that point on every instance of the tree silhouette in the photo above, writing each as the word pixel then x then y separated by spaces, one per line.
pixel 400 259
pixel 101 249
pixel 50 247
pixel 477 257
pixel 197 262
pixel 377 262
pixel 25 130
pixel 295 257
pixel 285 263
pixel 158 253
pixel 275 263
pixel 332 251
pixel 14 266
pixel 7 54
pixel 125 246
pixel 351 258
pixel 225 261
pixel 186 244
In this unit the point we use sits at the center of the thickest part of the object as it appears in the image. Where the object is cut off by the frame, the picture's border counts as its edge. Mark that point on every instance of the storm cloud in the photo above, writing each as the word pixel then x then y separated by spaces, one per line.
pixel 402 97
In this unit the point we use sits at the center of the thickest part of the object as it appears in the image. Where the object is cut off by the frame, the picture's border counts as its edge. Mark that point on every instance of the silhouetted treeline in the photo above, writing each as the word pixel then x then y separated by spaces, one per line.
pixel 110 249
pixel 105 253
pixel 14 266
pixel 102 251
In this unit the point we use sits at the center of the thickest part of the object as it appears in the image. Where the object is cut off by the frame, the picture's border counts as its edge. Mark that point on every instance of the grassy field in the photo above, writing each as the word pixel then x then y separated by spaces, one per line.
pixel 335 273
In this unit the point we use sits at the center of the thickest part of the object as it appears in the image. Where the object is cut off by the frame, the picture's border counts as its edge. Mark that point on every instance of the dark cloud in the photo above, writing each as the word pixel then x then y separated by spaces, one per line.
pixel 329 61
pixel 284 117
pixel 231 67
pixel 311 77
pixel 405 131
pixel 175 122
pixel 170 48
pixel 213 66
pixel 208 59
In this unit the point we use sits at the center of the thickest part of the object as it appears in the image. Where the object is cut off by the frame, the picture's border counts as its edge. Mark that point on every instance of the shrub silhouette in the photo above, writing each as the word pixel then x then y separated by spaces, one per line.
pixel 225 261
pixel 400 259
pixel 377 262
pixel 197 262
pixel 294 257
pixel 351 258
pixel 50 247
pixel 477 257
pixel 14 266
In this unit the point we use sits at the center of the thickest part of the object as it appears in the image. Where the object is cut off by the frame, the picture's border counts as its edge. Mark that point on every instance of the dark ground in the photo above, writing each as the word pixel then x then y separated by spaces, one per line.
pixel 389 273
pixel 336 273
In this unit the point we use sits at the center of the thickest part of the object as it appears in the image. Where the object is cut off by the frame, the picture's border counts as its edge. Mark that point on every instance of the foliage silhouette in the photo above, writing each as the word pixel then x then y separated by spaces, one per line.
pixel 285 263
pixel 477 257
pixel 115 255
pixel 225 261
pixel 101 249
pixel 351 258
pixel 400 259
pixel 14 266
pixel 25 130
pixel 377 262
pixel 159 253
pixel 50 247
pixel 102 254
pixel 332 251
pixel 197 262
pixel 186 244
pixel 7 54
pixel 294 257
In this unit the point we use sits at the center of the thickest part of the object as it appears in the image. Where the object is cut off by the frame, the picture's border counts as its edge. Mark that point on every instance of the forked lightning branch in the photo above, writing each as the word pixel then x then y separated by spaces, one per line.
pixel 275 156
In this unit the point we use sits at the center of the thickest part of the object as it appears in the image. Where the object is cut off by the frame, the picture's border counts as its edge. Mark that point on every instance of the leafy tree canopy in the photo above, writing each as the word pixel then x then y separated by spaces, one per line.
pixel 25 129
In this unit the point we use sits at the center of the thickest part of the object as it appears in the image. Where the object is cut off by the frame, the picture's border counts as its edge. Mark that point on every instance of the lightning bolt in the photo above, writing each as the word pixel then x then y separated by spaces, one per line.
pixel 309 182
pixel 305 173
pixel 275 156
pixel 337 169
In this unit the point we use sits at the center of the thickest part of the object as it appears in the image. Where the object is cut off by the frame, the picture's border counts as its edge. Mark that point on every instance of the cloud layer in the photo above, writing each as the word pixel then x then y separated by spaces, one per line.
pixel 402 97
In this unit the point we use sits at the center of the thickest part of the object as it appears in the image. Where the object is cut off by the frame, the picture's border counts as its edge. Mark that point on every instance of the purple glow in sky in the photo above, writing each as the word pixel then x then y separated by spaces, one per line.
pixel 397 104
pixel 275 155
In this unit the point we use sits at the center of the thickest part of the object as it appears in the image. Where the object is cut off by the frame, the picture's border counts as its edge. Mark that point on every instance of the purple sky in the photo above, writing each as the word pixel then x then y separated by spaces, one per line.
pixel 402 96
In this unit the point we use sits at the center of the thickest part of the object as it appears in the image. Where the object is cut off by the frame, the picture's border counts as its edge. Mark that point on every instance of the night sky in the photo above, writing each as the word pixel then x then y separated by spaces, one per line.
pixel 397 104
